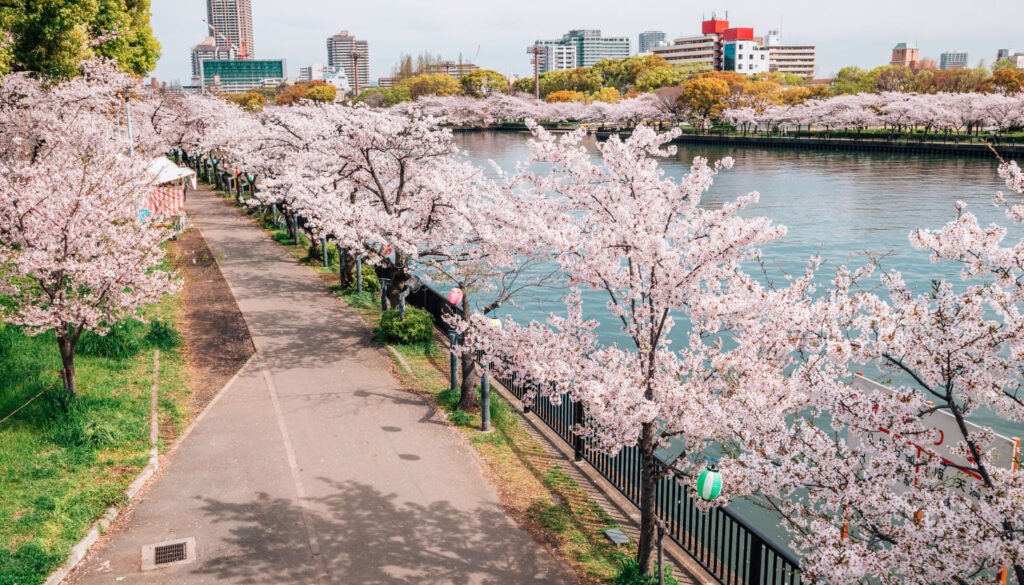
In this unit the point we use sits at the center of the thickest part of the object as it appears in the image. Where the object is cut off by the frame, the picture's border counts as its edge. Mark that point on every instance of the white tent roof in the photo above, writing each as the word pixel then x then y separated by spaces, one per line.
pixel 162 170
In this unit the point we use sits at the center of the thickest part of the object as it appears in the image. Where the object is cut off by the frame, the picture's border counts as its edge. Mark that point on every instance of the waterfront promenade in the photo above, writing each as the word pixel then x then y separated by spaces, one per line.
pixel 313 466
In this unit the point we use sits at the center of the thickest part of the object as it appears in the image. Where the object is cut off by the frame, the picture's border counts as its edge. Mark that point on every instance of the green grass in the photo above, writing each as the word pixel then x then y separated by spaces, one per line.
pixel 63 463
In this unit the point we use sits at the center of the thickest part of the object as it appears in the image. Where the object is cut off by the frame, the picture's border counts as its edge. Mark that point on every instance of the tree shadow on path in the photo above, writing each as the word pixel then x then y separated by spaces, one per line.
pixel 371 537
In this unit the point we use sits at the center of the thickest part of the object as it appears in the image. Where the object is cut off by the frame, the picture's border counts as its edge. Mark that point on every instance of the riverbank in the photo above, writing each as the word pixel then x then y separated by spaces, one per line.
pixel 968 150
pixel 1014 151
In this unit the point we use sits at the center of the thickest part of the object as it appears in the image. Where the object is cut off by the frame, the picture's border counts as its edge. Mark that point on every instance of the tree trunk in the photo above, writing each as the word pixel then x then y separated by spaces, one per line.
pixel 469 400
pixel 66 342
pixel 347 270
pixel 648 485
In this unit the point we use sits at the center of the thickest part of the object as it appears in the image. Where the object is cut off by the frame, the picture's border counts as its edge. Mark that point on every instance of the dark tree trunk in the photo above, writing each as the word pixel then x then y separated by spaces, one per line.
pixel 648 485
pixel 66 341
pixel 469 401
pixel 347 270
pixel 400 281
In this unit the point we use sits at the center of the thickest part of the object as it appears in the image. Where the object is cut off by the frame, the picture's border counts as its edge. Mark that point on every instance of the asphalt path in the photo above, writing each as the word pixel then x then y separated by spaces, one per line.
pixel 313 465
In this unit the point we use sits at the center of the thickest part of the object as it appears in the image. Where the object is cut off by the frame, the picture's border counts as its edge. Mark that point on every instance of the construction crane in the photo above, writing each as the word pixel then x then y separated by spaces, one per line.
pixel 239 53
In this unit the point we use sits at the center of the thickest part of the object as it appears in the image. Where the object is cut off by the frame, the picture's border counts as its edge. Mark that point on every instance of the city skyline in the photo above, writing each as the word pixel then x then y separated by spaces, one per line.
pixel 844 35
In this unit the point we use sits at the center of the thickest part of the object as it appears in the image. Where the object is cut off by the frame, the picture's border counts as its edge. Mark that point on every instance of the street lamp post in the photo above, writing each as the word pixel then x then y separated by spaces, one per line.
pixel 356 56
pixel 536 51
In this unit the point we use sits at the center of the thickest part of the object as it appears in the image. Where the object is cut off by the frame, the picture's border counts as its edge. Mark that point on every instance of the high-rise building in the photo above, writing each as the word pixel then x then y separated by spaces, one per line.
pixel 702 51
pixel 589 46
pixel 796 59
pixel 650 39
pixel 905 54
pixel 951 60
pixel 345 51
pixel 231 25
pixel 206 51
pixel 722 47
pixel 451 68
pixel 556 56
pixel 311 73
pixel 236 76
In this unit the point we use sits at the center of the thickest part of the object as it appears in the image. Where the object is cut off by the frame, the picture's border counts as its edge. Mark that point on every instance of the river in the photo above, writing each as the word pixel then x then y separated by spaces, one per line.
pixel 837 205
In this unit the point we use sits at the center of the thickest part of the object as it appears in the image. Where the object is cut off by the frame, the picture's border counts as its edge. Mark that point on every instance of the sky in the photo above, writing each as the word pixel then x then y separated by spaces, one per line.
pixel 494 34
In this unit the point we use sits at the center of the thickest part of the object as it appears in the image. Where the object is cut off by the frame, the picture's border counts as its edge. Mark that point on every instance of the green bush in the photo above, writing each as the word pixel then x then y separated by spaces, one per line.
pixel 370 281
pixel 417 326
pixel 629 574
pixel 123 340
pixel 162 335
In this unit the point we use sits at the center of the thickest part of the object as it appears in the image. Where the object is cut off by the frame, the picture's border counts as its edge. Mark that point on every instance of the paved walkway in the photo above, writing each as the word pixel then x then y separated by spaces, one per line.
pixel 313 466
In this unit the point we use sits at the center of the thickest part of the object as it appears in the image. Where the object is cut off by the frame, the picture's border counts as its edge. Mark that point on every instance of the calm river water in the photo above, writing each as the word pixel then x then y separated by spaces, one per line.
pixel 836 205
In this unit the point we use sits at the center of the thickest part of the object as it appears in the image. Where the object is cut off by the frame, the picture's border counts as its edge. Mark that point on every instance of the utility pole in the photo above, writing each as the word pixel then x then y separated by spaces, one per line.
pixel 536 51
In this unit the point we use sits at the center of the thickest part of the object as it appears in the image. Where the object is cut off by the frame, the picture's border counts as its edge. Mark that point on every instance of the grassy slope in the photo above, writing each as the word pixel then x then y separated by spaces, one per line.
pixel 60 471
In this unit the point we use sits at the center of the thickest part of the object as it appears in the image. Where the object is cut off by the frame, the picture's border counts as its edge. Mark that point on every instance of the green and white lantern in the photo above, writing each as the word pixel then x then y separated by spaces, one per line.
pixel 709 483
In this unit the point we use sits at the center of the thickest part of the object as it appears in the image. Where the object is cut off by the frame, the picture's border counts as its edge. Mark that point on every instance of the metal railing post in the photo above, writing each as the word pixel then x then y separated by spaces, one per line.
pixel 453 361
pixel 754 574
pixel 485 401
pixel 359 281
pixel 577 439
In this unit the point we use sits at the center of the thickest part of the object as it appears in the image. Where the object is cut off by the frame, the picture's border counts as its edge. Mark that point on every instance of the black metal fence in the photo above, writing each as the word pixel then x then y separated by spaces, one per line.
pixel 726 545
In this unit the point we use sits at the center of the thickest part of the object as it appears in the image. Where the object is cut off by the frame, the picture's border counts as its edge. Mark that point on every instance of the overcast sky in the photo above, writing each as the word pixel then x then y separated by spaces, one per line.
pixel 846 32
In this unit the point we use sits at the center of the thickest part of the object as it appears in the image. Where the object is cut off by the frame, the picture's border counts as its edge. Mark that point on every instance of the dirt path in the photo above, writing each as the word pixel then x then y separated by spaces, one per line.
pixel 215 332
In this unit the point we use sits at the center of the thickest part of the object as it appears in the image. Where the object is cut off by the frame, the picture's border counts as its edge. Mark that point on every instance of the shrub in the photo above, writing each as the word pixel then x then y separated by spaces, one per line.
pixel 417 326
pixel 123 340
pixel 162 335
pixel 629 574
pixel 370 281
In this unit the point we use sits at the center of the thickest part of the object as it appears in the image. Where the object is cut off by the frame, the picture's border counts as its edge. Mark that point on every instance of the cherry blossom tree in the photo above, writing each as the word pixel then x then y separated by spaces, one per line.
pixel 656 255
pixel 74 254
pixel 869 487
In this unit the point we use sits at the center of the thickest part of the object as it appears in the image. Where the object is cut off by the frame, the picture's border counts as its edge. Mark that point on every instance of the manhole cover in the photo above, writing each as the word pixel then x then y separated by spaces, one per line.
pixel 172 552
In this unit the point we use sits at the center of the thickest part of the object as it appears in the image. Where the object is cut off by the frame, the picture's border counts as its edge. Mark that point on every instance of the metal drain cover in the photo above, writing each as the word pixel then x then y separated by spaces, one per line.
pixel 165 554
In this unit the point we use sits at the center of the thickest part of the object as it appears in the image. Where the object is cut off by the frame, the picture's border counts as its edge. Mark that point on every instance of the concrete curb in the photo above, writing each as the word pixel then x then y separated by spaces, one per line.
pixel 401 359
pixel 100 526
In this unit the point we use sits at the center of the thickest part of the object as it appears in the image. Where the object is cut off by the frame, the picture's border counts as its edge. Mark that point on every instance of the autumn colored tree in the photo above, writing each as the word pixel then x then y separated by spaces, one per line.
pixel 760 95
pixel 322 94
pixel 704 99
pixel 432 84
pixel 563 96
pixel 481 82
pixel 1008 81
pixel 297 91
pixel 249 101
pixel 608 95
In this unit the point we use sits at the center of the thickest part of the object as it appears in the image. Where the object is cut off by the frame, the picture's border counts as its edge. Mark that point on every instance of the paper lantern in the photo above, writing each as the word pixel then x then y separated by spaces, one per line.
pixel 495 323
pixel 455 296
pixel 709 483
